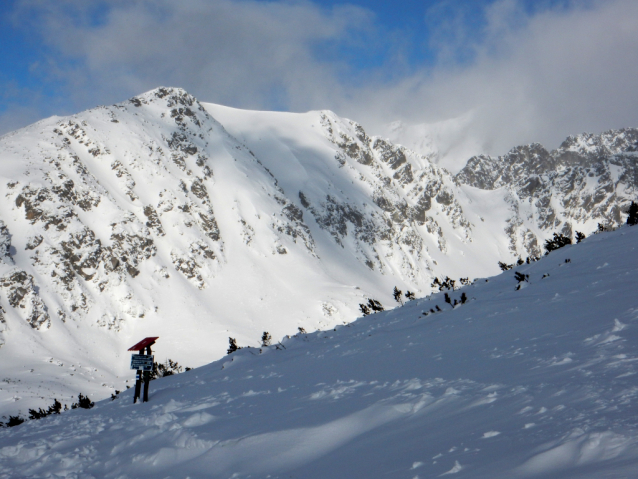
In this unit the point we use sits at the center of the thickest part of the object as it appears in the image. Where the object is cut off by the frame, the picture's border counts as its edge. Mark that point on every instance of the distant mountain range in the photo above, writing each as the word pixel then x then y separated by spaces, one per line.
pixel 164 216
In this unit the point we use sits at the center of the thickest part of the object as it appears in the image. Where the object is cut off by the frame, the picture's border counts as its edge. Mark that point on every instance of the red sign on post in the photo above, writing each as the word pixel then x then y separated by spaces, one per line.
pixel 143 370
pixel 143 343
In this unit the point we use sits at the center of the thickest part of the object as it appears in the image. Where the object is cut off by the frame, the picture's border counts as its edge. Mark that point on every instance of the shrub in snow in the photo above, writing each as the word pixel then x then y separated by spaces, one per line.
pixel 463 298
pixel 13 421
pixel 266 338
pixel 83 402
pixel 557 242
pixel 445 284
pixel 397 295
pixel 579 237
pixel 375 305
pixel 504 266
pixel 602 228
pixel 55 408
pixel 447 299
pixel 168 368
pixel 372 306
pixel 232 345
pixel 632 219
pixel 410 295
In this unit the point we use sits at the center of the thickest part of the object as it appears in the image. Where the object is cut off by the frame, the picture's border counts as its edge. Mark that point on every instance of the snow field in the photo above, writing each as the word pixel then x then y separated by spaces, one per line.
pixel 536 382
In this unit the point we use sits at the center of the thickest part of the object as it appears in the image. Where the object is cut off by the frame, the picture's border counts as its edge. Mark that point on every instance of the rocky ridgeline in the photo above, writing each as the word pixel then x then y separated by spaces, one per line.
pixel 402 188
pixel 97 195
pixel 589 179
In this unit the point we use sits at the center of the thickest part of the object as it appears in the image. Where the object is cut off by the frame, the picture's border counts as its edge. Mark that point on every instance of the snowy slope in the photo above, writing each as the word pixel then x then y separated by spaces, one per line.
pixel 148 218
pixel 531 382
pixel 163 216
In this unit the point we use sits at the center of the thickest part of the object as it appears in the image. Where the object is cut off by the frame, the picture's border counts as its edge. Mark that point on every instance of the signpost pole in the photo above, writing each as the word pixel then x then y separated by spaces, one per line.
pixel 138 382
pixel 147 377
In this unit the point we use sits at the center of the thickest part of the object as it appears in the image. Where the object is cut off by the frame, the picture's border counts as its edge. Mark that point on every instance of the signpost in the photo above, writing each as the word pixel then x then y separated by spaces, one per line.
pixel 143 363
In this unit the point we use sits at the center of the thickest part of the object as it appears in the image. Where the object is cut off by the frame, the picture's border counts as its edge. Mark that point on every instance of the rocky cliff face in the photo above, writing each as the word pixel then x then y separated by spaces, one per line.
pixel 589 179
pixel 164 216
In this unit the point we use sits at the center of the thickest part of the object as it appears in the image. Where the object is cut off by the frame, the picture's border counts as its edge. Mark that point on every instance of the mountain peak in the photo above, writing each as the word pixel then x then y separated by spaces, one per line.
pixel 193 222
pixel 172 95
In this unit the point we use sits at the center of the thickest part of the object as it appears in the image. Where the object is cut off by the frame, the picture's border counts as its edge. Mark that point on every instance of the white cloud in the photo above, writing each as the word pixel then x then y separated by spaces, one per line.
pixel 245 53
pixel 538 78
pixel 524 77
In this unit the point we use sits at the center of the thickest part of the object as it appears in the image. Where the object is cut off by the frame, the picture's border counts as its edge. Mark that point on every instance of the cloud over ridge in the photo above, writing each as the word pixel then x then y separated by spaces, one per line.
pixel 516 76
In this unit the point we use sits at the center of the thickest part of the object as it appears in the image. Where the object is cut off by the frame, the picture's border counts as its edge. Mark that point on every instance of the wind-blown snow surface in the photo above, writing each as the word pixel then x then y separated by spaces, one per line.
pixel 534 382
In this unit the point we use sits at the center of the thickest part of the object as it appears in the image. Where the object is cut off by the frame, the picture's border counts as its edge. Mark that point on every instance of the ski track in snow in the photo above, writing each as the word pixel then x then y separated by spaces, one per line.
pixel 510 384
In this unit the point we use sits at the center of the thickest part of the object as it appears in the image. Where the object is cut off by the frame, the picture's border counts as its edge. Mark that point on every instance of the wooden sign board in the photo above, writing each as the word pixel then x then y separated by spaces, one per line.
pixel 142 361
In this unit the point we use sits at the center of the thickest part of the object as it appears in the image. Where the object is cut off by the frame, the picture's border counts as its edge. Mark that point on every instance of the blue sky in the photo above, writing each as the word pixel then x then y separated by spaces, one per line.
pixel 403 25
pixel 513 70
pixel 406 25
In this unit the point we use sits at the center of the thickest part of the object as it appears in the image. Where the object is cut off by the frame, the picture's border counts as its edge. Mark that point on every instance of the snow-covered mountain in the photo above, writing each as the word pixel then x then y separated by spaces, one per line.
pixel 527 379
pixel 164 216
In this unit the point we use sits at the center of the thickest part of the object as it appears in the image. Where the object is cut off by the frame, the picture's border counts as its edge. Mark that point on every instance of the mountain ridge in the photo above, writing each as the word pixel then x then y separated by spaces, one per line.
pixel 166 216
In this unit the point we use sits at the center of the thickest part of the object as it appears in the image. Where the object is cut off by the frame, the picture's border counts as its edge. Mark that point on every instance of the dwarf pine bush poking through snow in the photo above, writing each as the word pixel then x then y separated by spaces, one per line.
pixel 266 339
pixel 557 242
pixel 444 284
pixel 55 408
pixel 397 295
pixel 232 345
pixel 519 262
pixel 410 295
pixel 375 305
pixel 372 306
pixel 603 228
pixel 13 421
pixel 168 368
pixel 505 266
pixel 579 237
pixel 83 402
pixel 632 219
